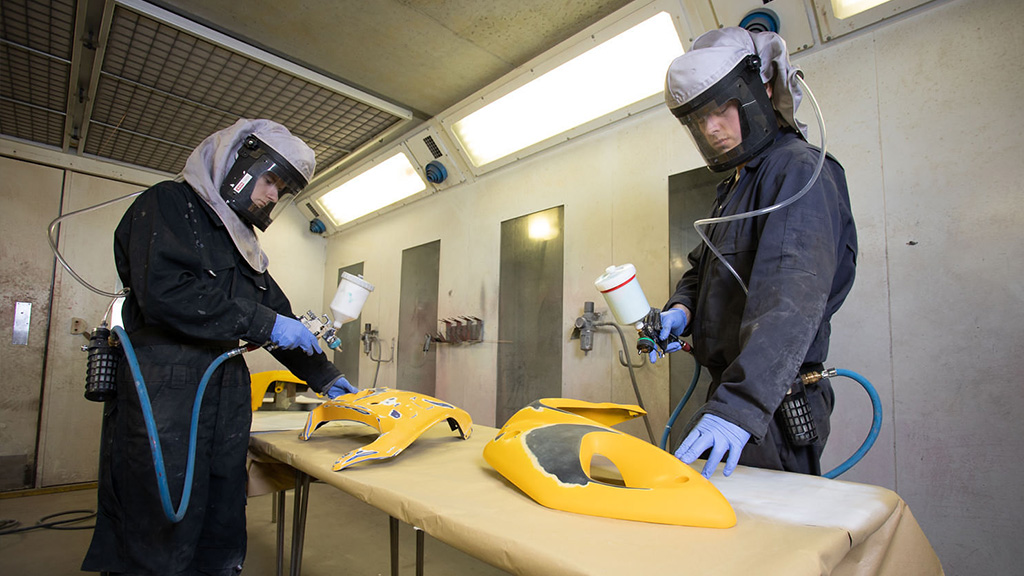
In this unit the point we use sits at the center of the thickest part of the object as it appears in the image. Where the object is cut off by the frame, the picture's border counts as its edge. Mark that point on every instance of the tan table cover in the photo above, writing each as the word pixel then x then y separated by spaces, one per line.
pixel 787 524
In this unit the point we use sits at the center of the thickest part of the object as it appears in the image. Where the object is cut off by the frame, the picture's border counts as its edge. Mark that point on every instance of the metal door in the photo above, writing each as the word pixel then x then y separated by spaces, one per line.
pixel 69 428
pixel 417 317
pixel 530 327
pixel 31 200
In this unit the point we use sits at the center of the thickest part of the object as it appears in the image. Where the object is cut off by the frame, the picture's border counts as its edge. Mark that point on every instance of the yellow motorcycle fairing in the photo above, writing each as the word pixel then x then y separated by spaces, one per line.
pixel 400 416
pixel 547 448
pixel 260 382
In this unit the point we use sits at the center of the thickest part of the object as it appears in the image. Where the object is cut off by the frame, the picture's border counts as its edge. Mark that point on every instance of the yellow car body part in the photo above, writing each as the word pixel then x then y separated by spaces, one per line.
pixel 261 381
pixel 547 448
pixel 400 416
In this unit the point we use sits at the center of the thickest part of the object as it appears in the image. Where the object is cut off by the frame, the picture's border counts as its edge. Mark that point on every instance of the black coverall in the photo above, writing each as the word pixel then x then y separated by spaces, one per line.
pixel 192 297
pixel 798 263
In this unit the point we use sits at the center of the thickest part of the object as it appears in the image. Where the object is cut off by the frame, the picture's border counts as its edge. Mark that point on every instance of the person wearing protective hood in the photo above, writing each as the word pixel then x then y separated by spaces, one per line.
pixel 759 305
pixel 197 283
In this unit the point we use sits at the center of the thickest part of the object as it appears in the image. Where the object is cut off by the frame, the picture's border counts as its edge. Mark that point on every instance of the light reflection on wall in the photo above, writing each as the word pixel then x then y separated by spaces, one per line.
pixel 541 227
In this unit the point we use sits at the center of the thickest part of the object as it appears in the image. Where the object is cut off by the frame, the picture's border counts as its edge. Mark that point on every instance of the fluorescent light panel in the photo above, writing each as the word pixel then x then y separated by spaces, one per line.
pixel 382 185
pixel 610 76
pixel 846 8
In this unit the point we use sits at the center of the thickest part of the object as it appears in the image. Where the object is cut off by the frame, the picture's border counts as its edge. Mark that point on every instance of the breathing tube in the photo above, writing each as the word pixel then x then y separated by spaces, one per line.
pixel 154 438
pixel 697 225
pixel 60 258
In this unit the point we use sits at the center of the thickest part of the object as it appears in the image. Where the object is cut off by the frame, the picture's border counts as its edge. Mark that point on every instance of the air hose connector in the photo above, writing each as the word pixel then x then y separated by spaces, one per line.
pixel 815 377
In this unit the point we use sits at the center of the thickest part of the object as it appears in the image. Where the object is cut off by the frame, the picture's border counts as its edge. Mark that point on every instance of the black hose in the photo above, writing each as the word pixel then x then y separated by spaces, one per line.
pixel 54 525
pixel 632 376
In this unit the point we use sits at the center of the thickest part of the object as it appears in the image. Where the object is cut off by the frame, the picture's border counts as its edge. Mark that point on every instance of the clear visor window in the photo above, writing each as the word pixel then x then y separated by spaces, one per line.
pixel 732 126
pixel 716 127
pixel 271 194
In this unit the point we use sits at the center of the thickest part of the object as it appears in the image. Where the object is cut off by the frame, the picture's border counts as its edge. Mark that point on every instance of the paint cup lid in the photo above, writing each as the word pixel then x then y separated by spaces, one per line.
pixel 615 276
pixel 358 281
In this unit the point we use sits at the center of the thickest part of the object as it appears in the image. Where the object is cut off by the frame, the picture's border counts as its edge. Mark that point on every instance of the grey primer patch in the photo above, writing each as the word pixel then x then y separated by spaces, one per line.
pixel 557 451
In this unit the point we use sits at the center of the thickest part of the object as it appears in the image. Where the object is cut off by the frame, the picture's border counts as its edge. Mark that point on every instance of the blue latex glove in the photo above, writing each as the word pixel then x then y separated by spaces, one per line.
pixel 673 321
pixel 289 333
pixel 339 387
pixel 718 434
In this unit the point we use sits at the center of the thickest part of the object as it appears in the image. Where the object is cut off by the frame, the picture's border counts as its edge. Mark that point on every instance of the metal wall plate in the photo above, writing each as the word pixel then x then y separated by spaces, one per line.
pixel 22 319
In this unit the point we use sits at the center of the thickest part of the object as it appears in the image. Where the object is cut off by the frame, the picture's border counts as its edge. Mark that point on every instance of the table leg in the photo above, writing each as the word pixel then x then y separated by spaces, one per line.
pixel 299 525
pixel 279 518
pixel 394 546
pixel 419 551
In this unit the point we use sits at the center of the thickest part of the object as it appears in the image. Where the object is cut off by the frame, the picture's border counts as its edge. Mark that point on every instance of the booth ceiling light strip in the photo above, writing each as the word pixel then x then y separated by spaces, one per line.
pixel 35 64
pixel 606 78
pixel 382 185
pixel 847 8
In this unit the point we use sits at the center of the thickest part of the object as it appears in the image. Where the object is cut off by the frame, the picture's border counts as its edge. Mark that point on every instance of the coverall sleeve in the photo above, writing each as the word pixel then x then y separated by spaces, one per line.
pixel 159 238
pixel 788 288
pixel 316 370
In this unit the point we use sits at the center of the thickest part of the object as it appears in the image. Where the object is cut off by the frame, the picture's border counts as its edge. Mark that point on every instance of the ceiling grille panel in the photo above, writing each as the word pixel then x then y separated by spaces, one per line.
pixel 162 90
pixel 159 90
pixel 35 63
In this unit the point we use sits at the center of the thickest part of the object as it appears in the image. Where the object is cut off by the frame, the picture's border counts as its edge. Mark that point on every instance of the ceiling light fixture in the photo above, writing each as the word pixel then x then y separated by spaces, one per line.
pixel 614 74
pixel 382 185
pixel 847 8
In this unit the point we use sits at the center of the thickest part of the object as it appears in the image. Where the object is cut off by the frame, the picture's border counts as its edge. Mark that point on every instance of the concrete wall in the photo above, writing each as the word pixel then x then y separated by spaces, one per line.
pixel 920 112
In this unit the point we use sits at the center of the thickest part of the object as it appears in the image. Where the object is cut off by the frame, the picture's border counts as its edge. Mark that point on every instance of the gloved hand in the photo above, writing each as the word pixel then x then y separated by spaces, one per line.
pixel 718 434
pixel 289 333
pixel 673 321
pixel 339 387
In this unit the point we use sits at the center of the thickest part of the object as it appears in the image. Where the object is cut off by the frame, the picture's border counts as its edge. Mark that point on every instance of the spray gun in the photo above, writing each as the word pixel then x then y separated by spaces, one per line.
pixel 346 306
pixel 625 298
pixel 321 328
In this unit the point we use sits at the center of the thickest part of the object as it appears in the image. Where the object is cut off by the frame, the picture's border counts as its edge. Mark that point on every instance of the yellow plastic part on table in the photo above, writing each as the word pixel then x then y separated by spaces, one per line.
pixel 547 449
pixel 400 416
pixel 261 381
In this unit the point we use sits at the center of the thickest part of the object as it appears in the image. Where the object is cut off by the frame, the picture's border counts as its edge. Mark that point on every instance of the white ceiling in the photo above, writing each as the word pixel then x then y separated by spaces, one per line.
pixel 114 81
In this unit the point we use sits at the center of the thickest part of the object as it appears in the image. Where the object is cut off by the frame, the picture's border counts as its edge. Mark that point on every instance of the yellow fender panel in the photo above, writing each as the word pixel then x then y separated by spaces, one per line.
pixel 261 381
pixel 546 450
pixel 400 416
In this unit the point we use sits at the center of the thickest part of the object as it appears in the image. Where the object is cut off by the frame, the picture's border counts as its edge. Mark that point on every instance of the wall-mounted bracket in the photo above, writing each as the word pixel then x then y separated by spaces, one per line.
pixel 457 330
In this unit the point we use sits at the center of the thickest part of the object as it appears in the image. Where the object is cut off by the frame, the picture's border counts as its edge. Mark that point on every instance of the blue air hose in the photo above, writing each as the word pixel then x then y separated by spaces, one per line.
pixel 869 441
pixel 154 437
pixel 679 407
pixel 876 424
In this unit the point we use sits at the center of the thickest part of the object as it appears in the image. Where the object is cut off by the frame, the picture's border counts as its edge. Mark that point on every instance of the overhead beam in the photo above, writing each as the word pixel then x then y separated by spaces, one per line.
pixel 86 58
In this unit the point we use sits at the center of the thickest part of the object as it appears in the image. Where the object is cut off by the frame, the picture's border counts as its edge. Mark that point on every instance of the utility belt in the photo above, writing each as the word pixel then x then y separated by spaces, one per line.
pixel 794 414
pixel 152 336
pixel 105 355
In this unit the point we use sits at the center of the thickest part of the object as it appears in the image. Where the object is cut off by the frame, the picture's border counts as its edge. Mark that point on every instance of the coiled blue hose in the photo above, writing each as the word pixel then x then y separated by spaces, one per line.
pixel 869 441
pixel 173 515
